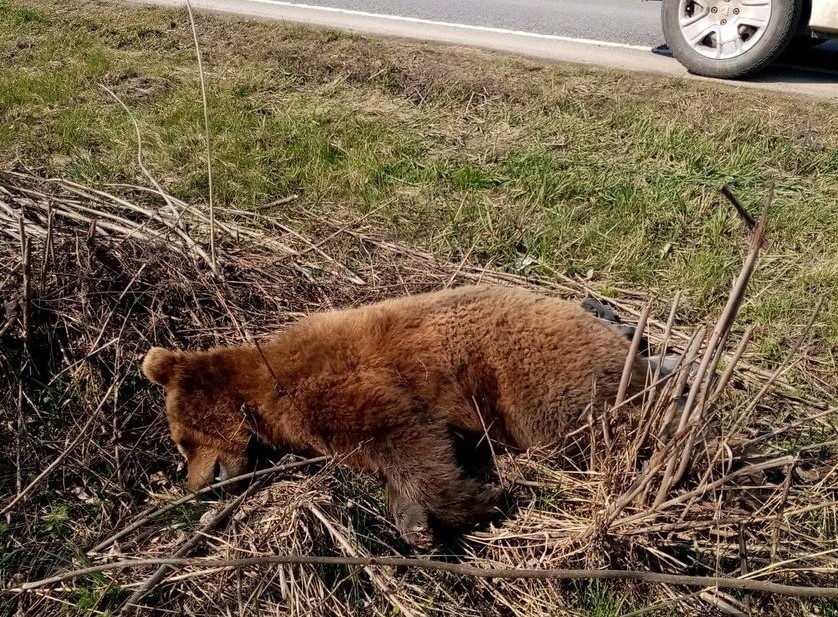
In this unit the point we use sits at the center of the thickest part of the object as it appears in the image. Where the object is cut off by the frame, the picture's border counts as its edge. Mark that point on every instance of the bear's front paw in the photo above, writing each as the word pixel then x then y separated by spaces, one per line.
pixel 414 528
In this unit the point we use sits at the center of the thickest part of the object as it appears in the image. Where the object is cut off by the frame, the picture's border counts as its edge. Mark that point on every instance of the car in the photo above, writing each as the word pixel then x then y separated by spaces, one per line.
pixel 734 38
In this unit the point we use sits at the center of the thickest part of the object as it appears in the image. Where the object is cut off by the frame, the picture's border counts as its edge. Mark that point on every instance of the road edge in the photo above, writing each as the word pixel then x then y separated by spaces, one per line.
pixel 531 45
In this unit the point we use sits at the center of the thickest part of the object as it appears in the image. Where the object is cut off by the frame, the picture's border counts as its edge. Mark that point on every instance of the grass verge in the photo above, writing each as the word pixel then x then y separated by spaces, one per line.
pixel 533 169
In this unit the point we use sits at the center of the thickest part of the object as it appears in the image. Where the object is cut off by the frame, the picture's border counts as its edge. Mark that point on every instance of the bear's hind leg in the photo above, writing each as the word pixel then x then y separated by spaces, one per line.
pixel 429 490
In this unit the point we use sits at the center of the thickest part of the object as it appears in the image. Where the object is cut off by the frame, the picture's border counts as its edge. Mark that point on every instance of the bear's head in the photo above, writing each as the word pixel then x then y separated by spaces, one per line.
pixel 206 421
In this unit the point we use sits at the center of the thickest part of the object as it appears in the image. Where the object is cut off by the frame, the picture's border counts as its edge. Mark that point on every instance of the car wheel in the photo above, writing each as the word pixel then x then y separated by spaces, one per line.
pixel 729 38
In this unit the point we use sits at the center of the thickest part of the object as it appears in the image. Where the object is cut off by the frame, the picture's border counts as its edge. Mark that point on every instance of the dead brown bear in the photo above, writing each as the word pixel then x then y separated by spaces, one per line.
pixel 384 386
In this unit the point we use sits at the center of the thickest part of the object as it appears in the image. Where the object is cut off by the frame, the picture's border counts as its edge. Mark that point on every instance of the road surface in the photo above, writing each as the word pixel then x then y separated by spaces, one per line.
pixel 612 33
pixel 635 22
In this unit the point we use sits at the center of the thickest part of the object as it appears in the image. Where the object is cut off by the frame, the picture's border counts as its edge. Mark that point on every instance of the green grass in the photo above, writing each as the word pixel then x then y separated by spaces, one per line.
pixel 599 600
pixel 537 170
pixel 826 608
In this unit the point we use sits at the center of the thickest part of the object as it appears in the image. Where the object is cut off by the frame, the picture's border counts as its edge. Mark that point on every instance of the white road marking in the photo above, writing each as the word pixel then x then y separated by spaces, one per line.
pixel 430 22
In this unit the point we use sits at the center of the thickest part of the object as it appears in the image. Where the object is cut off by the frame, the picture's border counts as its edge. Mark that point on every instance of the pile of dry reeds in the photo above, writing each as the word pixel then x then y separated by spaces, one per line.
pixel 726 473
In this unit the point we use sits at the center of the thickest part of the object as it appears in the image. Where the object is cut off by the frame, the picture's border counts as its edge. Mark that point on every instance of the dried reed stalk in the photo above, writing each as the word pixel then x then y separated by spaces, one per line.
pixel 213 259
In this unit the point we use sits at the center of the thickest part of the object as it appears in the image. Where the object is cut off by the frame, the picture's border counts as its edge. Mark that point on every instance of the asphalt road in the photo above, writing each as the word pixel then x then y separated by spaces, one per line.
pixel 612 33
pixel 634 22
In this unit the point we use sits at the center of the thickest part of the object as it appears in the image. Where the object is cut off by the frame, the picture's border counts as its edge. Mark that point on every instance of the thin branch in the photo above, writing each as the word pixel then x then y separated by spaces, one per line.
pixel 632 355
pixel 721 582
pixel 26 300
pixel 721 385
pixel 213 264
pixel 747 219
pixel 778 523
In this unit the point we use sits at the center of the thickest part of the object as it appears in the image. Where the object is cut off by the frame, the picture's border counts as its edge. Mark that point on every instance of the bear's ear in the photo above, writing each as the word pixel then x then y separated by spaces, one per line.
pixel 159 365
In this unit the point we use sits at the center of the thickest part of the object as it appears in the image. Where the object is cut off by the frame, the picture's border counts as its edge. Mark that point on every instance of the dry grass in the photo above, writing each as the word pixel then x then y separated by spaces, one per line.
pixel 92 279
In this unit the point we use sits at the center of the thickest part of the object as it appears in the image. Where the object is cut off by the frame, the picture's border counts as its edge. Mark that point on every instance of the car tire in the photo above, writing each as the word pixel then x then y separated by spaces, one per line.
pixel 697 55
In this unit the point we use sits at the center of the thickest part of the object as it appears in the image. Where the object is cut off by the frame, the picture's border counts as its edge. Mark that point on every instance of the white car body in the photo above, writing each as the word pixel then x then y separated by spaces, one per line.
pixel 824 19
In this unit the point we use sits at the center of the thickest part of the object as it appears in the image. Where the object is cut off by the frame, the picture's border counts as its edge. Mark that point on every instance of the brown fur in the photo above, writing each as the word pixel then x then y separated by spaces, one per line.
pixel 384 385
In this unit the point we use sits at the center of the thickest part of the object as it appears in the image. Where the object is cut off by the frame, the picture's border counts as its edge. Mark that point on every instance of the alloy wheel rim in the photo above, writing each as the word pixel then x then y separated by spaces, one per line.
pixel 723 29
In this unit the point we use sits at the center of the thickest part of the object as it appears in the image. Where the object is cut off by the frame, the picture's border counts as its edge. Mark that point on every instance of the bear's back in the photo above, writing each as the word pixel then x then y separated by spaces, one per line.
pixel 531 364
